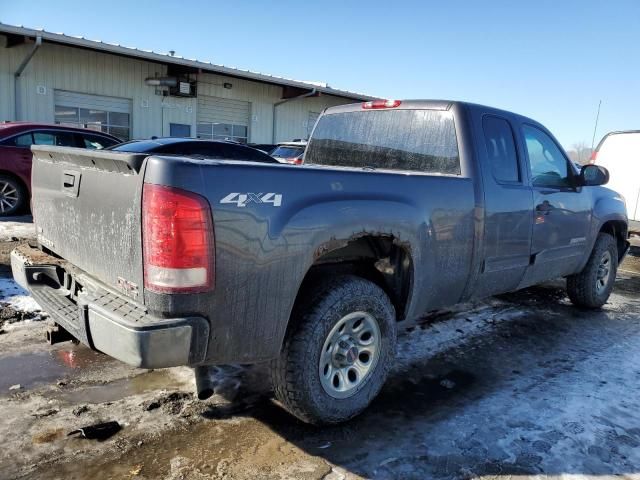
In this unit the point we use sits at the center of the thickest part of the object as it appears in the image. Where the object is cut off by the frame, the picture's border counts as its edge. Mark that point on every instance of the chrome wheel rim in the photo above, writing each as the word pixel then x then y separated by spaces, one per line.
pixel 604 272
pixel 349 354
pixel 8 197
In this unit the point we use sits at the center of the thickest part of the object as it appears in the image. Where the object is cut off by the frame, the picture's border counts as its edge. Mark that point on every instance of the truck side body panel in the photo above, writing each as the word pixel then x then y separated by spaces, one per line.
pixel 263 251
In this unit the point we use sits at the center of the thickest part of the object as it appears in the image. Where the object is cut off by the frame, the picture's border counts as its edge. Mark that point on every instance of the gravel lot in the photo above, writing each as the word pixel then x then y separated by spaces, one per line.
pixel 523 384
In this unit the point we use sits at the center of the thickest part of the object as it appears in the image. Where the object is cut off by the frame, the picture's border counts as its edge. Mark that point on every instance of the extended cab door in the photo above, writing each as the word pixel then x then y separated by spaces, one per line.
pixel 562 214
pixel 508 218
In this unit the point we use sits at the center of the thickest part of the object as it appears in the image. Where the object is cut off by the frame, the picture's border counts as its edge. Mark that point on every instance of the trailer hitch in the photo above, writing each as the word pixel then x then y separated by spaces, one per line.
pixel 57 334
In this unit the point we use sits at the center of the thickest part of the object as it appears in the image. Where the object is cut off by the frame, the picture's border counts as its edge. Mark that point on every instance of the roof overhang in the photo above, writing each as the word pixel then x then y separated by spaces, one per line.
pixel 17 35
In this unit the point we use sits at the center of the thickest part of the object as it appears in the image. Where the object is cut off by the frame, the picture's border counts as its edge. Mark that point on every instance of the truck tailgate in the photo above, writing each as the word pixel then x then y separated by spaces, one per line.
pixel 87 209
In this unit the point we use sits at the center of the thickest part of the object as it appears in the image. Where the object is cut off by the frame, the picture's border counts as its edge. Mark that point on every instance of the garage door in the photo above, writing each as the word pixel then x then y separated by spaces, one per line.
pixel 104 114
pixel 223 118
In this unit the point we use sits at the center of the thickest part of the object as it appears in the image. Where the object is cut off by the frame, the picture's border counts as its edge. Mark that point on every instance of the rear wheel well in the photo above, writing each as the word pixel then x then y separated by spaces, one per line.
pixel 617 229
pixel 379 259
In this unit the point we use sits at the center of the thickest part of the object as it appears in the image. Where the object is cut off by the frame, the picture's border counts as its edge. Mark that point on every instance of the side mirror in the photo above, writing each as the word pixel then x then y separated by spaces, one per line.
pixel 593 175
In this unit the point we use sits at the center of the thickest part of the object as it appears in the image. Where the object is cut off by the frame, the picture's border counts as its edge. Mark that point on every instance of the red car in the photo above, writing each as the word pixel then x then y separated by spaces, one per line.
pixel 16 139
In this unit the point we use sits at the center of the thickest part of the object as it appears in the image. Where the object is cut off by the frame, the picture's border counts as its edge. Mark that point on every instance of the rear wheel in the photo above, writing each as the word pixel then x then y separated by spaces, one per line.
pixel 592 286
pixel 338 351
pixel 13 196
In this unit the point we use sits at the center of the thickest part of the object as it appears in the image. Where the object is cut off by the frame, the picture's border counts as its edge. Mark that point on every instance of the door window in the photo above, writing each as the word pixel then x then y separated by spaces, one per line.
pixel 60 139
pixel 94 142
pixel 501 149
pixel 25 140
pixel 549 167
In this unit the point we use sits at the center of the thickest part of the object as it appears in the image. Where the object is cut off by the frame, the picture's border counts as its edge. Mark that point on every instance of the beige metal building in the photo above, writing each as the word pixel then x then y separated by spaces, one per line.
pixel 56 78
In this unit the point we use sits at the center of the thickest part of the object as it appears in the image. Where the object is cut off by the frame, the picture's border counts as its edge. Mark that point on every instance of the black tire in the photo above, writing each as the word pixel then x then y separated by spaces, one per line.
pixel 13 196
pixel 583 287
pixel 295 373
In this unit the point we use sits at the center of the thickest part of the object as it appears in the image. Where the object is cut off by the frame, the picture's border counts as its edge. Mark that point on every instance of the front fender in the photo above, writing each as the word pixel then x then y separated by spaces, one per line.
pixel 608 206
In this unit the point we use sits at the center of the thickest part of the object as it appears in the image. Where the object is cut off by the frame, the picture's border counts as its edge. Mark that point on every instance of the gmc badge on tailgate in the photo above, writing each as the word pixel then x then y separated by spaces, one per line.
pixel 128 287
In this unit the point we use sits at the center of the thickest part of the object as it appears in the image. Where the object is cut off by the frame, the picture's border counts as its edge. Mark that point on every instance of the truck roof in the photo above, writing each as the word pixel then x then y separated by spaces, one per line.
pixel 428 104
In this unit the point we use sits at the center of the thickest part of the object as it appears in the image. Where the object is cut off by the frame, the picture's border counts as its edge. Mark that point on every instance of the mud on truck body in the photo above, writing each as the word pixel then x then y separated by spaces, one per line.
pixel 400 208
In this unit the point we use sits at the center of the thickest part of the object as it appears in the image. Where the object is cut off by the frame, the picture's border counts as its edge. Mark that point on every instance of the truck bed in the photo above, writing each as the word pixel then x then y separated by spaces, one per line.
pixel 271 223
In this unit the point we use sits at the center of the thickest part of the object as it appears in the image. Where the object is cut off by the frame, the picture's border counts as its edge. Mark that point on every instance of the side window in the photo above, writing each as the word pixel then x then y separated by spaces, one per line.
pixel 549 167
pixel 60 139
pixel 43 138
pixel 25 140
pixel 501 149
pixel 94 142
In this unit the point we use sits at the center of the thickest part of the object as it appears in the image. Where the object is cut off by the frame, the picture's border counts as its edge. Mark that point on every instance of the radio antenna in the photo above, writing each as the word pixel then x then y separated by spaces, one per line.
pixel 595 128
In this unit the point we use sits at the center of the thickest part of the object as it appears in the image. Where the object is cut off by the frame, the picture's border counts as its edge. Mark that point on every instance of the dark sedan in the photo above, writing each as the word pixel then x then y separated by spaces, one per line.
pixel 190 147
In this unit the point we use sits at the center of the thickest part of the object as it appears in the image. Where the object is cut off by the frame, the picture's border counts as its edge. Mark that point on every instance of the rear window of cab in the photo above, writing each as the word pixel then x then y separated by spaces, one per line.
pixel 411 140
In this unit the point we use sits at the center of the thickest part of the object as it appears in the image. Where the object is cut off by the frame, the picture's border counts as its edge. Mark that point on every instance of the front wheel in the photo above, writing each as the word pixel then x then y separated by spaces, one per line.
pixel 592 286
pixel 337 352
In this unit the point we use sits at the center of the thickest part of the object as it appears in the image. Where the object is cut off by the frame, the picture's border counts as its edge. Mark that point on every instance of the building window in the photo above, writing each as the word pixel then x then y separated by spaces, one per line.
pixel 114 123
pixel 223 131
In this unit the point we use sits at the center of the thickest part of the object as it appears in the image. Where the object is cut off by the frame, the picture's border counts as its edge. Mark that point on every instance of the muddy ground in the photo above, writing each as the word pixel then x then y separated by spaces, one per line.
pixel 523 384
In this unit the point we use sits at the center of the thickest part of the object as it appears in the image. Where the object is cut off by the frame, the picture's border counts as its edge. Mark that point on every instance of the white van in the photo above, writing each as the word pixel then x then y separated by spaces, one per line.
pixel 619 152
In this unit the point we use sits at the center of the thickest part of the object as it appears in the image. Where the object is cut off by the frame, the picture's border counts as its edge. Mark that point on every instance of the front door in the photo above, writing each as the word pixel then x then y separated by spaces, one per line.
pixel 562 212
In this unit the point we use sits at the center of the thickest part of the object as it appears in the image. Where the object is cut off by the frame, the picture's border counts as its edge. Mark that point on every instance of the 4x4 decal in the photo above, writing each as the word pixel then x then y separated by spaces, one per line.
pixel 242 199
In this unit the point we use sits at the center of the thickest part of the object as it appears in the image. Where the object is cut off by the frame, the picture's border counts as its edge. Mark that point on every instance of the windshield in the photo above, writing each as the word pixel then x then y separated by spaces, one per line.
pixel 287 152
pixel 416 140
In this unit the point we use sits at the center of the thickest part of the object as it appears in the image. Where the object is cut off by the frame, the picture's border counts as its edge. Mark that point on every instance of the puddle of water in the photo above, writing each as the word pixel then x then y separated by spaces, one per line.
pixel 80 357
pixel 37 368
pixel 29 369
pixel 122 388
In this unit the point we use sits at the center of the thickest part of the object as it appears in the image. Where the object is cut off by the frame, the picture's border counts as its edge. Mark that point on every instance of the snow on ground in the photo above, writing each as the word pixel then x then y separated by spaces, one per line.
pixel 17 227
pixel 16 304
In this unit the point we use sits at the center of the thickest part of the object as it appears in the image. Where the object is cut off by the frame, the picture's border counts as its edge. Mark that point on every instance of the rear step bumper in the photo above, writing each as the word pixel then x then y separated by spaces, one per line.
pixel 106 320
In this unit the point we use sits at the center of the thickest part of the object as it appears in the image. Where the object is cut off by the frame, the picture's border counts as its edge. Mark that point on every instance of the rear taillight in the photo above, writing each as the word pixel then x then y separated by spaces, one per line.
pixel 381 104
pixel 593 157
pixel 294 161
pixel 178 241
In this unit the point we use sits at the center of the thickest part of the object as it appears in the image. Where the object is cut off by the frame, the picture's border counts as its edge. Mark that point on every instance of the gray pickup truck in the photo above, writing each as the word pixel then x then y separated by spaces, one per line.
pixel 401 208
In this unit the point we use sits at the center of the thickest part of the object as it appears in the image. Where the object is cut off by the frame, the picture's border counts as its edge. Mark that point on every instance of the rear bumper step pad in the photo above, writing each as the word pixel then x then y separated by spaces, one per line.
pixel 105 320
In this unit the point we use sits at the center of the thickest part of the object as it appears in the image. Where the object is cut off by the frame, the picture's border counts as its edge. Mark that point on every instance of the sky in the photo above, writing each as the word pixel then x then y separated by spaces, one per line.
pixel 550 60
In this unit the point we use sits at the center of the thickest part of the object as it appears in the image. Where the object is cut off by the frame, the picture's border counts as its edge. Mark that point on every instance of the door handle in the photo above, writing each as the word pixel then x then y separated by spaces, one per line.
pixel 68 180
pixel 71 182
